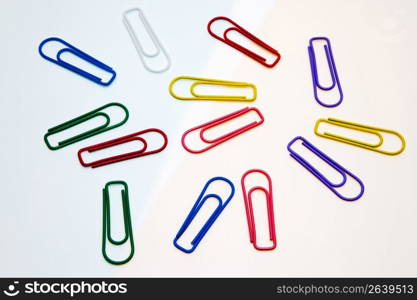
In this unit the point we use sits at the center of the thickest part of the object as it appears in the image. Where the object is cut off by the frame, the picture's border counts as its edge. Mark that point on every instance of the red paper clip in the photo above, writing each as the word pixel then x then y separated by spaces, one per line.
pixel 118 141
pixel 249 209
pixel 214 142
pixel 242 49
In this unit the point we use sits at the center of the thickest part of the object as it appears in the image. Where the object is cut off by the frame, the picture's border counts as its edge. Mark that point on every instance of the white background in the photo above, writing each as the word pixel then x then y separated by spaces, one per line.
pixel 50 214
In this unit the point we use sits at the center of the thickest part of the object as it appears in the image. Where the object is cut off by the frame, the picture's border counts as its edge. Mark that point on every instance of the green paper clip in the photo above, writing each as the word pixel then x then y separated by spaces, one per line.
pixel 107 222
pixel 83 118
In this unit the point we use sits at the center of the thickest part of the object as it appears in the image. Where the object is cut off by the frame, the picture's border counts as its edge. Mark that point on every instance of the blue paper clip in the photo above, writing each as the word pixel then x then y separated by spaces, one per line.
pixel 341 170
pixel 197 206
pixel 77 52
pixel 332 69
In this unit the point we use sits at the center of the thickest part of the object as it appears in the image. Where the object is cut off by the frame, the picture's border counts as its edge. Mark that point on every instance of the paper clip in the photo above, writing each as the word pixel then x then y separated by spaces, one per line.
pixel 80 54
pixel 341 170
pixel 244 32
pixel 216 82
pixel 107 222
pixel 364 128
pixel 83 118
pixel 121 140
pixel 143 55
pixel 247 196
pixel 196 208
pixel 216 141
pixel 332 69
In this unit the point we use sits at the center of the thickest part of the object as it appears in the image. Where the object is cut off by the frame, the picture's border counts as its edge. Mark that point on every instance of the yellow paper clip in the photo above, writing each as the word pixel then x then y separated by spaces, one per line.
pixel 364 128
pixel 207 81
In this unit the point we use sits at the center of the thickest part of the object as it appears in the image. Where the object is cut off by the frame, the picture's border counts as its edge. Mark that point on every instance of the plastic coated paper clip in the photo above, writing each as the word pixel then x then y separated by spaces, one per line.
pixel 107 222
pixel 143 55
pixel 121 140
pixel 332 68
pixel 225 39
pixel 214 82
pixel 80 54
pixel 247 196
pixel 341 170
pixel 84 118
pixel 216 141
pixel 196 208
pixel 364 128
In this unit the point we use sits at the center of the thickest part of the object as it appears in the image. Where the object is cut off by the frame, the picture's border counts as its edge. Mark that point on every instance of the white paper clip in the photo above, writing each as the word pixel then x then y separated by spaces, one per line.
pixel 143 55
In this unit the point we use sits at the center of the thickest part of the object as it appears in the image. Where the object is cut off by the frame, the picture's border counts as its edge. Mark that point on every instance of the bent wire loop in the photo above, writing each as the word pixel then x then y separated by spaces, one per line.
pixel 202 198
pixel 121 140
pixel 364 128
pixel 237 28
pixel 143 55
pixel 341 170
pixel 332 68
pixel 207 81
pixel 80 54
pixel 84 118
pixel 107 223
pixel 223 138
pixel 247 196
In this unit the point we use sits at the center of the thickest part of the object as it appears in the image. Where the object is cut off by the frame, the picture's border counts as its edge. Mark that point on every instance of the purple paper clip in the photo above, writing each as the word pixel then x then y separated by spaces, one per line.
pixel 342 171
pixel 332 69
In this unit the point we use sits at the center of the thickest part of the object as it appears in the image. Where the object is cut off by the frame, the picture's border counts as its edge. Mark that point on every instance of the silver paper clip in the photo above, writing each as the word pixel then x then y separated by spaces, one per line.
pixel 143 55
